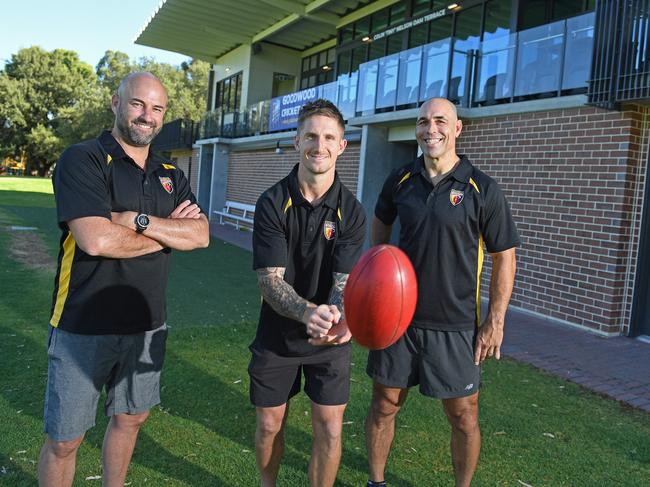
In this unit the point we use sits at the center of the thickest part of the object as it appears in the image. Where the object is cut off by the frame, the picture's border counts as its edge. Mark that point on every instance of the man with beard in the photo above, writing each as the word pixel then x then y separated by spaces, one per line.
pixel 121 210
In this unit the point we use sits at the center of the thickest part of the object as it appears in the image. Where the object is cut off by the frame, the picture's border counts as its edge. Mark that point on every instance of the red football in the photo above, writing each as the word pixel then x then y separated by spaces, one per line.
pixel 380 297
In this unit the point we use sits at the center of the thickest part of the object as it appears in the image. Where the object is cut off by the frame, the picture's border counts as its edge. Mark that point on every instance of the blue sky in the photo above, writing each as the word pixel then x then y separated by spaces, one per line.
pixel 88 27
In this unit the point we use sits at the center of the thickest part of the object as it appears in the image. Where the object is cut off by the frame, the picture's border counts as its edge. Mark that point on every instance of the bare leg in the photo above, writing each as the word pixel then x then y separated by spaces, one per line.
pixel 380 426
pixel 327 423
pixel 119 442
pixel 462 414
pixel 269 442
pixel 56 463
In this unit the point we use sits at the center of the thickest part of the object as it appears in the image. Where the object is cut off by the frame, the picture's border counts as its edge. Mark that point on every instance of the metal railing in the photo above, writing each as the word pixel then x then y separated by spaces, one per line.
pixel 621 58
pixel 177 134
pixel 545 61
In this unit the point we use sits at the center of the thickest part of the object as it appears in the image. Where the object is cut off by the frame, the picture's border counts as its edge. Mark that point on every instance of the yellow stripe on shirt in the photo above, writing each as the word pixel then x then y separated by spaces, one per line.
pixel 479 270
pixel 473 183
pixel 404 178
pixel 64 278
pixel 288 205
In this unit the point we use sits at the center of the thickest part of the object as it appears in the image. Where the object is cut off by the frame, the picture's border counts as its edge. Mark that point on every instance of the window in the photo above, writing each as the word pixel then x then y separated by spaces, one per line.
pixel 420 7
pixel 283 84
pixel 228 93
pixel 497 19
pixel 397 13
pixel 318 68
pixel 533 13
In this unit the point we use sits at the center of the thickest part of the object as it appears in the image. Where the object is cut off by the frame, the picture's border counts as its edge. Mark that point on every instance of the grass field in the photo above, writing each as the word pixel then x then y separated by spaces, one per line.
pixel 538 429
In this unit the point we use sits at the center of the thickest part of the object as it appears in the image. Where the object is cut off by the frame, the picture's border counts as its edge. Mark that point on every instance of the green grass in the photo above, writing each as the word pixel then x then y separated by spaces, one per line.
pixel 202 434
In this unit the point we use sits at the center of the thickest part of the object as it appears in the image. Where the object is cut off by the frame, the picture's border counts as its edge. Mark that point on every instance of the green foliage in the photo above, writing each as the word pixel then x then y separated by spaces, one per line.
pixel 50 100
pixel 38 92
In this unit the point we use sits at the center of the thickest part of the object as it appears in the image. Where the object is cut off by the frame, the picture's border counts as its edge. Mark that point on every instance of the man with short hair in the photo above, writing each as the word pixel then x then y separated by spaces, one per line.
pixel 447 209
pixel 308 233
pixel 121 210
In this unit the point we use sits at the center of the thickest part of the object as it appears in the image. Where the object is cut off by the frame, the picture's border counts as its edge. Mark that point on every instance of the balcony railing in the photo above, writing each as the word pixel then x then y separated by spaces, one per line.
pixel 178 134
pixel 622 57
pixel 546 61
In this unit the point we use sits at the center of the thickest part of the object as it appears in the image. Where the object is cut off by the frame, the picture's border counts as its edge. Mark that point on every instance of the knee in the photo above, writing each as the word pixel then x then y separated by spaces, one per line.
pixel 383 410
pixel 130 421
pixel 63 449
pixel 269 426
pixel 328 431
pixel 464 420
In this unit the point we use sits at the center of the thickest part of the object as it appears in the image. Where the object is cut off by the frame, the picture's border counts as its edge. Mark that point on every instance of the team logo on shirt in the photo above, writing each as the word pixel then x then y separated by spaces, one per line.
pixel 456 197
pixel 329 229
pixel 167 184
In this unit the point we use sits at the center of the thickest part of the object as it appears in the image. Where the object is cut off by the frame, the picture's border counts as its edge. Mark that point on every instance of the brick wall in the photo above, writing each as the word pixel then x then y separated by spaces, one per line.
pixel 188 161
pixel 574 179
pixel 252 172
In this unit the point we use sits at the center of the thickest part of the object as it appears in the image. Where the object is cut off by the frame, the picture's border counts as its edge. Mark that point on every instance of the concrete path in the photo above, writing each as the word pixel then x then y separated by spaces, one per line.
pixel 617 367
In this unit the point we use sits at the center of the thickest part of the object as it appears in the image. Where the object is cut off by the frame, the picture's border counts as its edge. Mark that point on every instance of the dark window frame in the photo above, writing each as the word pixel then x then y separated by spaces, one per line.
pixel 228 100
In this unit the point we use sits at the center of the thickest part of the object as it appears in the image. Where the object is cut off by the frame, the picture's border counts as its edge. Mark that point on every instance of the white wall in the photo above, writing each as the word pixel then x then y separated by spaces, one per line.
pixel 237 60
pixel 271 59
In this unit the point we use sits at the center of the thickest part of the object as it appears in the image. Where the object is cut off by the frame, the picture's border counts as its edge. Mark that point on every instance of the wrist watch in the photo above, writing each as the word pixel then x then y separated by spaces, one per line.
pixel 141 222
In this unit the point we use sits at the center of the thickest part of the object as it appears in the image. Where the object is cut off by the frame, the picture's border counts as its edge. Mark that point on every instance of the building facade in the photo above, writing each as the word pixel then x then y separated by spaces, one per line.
pixel 551 94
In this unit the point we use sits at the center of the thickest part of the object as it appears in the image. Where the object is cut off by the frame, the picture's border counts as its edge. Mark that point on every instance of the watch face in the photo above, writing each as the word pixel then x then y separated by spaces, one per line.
pixel 143 221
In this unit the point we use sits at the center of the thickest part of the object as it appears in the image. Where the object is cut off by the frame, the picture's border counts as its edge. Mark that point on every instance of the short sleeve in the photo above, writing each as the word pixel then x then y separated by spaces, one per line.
pixel 183 189
pixel 80 186
pixel 349 244
pixel 385 208
pixel 269 240
pixel 498 227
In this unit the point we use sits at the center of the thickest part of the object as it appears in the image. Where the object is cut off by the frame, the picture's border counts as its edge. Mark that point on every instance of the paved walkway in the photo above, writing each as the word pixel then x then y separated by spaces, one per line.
pixel 617 367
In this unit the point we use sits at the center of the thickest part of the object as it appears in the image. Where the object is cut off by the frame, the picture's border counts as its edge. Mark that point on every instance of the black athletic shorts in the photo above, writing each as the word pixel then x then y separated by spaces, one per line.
pixel 440 362
pixel 275 379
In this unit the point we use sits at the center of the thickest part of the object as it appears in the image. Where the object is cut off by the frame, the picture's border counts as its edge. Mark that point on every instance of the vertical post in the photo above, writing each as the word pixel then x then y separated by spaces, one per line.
pixel 516 65
pixel 565 39
pixel 452 43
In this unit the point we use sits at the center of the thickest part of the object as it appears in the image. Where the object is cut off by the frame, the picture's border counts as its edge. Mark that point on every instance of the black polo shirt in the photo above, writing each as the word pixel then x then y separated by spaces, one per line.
pixel 311 242
pixel 442 230
pixel 98 295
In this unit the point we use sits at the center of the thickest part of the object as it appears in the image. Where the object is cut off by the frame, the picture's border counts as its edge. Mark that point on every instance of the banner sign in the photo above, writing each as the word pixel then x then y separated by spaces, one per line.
pixel 284 110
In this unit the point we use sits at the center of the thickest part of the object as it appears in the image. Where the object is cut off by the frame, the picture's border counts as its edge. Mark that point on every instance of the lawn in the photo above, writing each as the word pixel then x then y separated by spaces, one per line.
pixel 537 429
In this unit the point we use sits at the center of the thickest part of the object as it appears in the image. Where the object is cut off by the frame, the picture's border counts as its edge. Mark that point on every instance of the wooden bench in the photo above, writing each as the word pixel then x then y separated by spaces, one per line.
pixel 236 214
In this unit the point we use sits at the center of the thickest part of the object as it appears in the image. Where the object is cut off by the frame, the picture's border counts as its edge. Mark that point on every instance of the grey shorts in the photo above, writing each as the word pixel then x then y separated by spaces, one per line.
pixel 80 366
pixel 440 362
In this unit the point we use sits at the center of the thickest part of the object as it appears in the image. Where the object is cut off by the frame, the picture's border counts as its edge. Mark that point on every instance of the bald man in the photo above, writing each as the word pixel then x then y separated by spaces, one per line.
pixel 448 210
pixel 121 210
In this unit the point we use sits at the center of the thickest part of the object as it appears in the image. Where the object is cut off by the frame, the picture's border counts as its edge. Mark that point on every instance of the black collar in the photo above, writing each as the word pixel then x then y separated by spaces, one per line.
pixel 113 147
pixel 330 198
pixel 462 173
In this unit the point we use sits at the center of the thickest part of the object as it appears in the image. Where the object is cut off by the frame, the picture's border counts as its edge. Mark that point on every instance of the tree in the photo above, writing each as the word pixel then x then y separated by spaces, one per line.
pixel 187 84
pixel 49 100
pixel 41 94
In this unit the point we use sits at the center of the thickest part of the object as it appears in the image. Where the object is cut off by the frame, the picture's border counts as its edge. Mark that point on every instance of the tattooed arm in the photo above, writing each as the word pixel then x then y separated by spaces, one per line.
pixel 285 301
pixel 339 333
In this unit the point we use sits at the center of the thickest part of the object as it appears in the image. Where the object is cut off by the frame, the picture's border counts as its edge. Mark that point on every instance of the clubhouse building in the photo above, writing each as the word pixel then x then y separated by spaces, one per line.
pixel 553 96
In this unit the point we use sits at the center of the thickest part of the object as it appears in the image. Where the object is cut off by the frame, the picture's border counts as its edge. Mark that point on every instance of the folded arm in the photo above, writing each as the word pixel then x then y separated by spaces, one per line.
pixel 186 228
pixel 99 236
